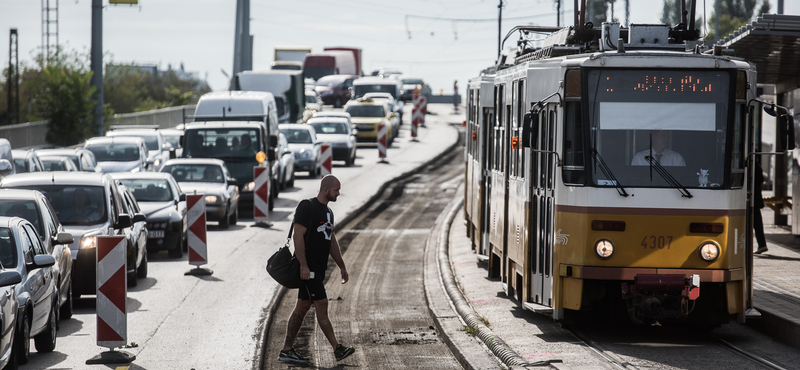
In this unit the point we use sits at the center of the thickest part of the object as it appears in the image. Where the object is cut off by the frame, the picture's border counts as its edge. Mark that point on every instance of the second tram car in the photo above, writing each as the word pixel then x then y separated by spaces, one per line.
pixel 615 177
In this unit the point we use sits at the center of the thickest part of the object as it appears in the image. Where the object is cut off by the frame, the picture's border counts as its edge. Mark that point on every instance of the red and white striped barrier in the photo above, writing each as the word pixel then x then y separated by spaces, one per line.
pixel 261 194
pixel 382 141
pixel 417 116
pixel 112 291
pixel 423 103
pixel 327 157
pixel 196 215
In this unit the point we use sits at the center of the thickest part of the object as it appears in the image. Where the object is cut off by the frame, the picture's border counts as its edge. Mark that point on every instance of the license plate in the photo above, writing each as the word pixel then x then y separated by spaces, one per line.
pixel 364 127
pixel 155 234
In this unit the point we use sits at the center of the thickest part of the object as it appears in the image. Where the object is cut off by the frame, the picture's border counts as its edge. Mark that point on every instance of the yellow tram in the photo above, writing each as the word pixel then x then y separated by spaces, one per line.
pixel 602 174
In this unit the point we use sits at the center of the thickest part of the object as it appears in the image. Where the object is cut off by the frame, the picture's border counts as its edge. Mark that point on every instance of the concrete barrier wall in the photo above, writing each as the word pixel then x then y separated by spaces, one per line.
pixel 32 134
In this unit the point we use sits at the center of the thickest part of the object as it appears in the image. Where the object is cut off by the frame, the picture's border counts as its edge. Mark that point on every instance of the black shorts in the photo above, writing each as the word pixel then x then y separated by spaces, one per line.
pixel 313 289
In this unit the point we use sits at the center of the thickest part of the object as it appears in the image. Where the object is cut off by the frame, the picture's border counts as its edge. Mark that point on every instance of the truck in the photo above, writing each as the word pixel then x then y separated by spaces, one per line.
pixel 326 63
pixel 356 54
pixel 287 87
pixel 291 53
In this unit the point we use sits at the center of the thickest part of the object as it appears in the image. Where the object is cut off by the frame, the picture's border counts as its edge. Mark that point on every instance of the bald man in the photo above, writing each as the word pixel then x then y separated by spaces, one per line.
pixel 314 241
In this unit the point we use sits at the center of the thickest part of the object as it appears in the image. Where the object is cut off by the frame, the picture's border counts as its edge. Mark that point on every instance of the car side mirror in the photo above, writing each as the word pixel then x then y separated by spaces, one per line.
pixel 182 197
pixel 355 131
pixel 139 217
pixel 287 151
pixel 63 238
pixel 124 221
pixel 530 125
pixel 43 260
pixel 10 277
pixel 232 182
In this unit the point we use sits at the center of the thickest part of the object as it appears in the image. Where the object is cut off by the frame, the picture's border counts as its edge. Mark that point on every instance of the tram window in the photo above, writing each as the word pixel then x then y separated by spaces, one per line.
pixel 737 157
pixel 573 169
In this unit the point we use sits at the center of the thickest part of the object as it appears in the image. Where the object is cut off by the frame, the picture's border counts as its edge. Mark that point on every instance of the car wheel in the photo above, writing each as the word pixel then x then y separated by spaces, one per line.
pixel 272 197
pixel 66 308
pixel 12 364
pixel 46 340
pixel 177 252
pixel 224 222
pixel 23 342
pixel 291 180
pixel 235 216
pixel 141 272
pixel 132 282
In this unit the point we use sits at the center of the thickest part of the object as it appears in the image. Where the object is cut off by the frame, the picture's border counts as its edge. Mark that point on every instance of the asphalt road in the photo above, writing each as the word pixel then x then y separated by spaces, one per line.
pixel 382 311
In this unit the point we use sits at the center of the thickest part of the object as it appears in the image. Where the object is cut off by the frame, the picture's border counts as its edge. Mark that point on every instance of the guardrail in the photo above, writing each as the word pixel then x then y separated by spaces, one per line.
pixel 32 134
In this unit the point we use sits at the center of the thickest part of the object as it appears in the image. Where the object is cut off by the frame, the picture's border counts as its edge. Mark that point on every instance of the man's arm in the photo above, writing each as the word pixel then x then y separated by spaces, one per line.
pixel 300 250
pixel 336 254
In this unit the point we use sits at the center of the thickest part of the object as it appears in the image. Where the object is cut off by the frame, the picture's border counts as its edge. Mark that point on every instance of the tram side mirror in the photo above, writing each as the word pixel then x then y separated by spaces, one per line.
pixel 530 124
pixel 786 127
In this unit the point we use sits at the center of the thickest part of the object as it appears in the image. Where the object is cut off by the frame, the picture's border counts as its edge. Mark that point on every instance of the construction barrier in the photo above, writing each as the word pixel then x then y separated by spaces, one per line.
pixel 382 141
pixel 261 194
pixel 196 215
pixel 423 103
pixel 416 115
pixel 326 158
pixel 112 291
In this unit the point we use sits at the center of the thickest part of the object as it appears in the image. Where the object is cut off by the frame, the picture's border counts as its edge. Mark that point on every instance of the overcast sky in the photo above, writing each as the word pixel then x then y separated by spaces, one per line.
pixel 199 33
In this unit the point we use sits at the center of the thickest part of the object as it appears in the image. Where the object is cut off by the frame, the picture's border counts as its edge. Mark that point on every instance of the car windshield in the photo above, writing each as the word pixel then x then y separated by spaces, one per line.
pixel 8 249
pixel 76 204
pixel 53 164
pixel 311 99
pixel 678 119
pixel 361 90
pixel 330 127
pixel 151 141
pixel 149 190
pixel 21 165
pixel 191 172
pixel 297 135
pixel 412 81
pixel 174 140
pixel 21 208
pixel 115 152
pixel 366 111
pixel 222 143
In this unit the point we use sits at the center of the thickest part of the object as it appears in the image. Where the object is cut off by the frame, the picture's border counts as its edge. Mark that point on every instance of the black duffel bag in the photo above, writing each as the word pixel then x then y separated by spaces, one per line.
pixel 283 267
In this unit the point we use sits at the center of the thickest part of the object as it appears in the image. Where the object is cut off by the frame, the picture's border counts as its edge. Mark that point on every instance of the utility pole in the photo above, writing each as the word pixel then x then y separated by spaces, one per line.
pixel 716 20
pixel 97 63
pixel 780 6
pixel 49 19
pixel 13 77
pixel 242 41
pixel 499 25
pixel 558 13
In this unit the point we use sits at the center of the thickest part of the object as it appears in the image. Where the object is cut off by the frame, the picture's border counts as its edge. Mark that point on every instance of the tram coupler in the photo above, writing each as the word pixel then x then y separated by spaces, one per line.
pixel 653 297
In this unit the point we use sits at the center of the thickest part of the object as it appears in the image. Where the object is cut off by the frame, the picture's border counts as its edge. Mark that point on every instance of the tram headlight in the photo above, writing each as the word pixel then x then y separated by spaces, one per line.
pixel 604 248
pixel 709 251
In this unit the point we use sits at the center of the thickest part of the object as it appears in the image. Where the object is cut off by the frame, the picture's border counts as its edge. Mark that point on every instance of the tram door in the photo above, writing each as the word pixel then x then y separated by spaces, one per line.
pixel 543 169
pixel 487 118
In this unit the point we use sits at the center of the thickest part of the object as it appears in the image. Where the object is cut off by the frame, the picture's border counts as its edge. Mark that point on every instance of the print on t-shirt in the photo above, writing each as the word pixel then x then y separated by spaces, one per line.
pixel 326 228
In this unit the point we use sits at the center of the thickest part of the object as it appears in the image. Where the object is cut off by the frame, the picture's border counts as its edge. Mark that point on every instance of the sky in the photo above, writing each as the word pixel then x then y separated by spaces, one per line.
pixel 409 34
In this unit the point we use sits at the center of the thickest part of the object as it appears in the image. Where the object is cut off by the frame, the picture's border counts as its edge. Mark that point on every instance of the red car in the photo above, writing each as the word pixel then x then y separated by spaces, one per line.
pixel 335 89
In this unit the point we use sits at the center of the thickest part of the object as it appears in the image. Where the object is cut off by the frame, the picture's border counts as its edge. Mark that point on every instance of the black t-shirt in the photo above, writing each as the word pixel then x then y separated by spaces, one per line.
pixel 318 220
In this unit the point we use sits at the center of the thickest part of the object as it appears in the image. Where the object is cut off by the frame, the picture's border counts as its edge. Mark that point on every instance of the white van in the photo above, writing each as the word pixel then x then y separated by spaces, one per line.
pixel 239 106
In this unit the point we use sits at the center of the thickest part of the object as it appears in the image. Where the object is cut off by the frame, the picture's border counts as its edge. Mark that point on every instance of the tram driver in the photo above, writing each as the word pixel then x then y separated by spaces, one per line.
pixel 662 155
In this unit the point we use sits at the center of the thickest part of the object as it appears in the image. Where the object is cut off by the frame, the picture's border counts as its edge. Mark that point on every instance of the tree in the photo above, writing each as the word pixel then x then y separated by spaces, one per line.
pixel 66 102
pixel 734 14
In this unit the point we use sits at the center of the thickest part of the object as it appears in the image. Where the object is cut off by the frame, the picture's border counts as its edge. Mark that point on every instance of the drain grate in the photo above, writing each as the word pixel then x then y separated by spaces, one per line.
pixel 410 336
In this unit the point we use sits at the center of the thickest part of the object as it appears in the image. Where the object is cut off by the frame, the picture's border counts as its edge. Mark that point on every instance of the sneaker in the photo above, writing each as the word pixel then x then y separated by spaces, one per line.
pixel 761 250
pixel 291 356
pixel 342 352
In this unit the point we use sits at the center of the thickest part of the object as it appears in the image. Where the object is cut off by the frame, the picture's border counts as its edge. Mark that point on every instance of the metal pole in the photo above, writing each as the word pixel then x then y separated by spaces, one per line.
pixel 499 25
pixel 558 13
pixel 237 42
pixel 97 63
pixel 716 20
pixel 780 6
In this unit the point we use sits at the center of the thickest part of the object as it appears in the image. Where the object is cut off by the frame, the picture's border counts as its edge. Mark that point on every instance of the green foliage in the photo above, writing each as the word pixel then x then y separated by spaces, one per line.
pixel 734 14
pixel 66 102
pixel 132 89
pixel 671 13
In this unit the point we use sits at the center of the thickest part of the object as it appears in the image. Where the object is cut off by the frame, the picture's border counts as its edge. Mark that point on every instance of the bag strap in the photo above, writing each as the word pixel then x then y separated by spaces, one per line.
pixel 289 237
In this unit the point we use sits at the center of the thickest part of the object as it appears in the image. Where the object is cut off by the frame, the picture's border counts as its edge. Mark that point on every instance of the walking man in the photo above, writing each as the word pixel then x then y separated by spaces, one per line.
pixel 314 240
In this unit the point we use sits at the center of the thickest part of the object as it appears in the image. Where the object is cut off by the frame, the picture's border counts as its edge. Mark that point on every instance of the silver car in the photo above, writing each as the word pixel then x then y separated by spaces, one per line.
pixel 157 147
pixel 305 146
pixel 82 159
pixel 210 177
pixel 119 154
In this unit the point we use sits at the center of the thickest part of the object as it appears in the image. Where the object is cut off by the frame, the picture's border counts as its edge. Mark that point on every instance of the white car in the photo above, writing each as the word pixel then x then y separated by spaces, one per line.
pixel 313 104
pixel 303 143
pixel 340 134
pixel 118 154
pixel 157 147
pixel 287 163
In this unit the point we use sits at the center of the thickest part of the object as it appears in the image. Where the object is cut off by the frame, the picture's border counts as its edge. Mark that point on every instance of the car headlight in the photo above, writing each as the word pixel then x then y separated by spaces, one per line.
pixel 604 248
pixel 156 163
pixel 250 186
pixel 211 198
pixel 305 154
pixel 709 251
pixel 88 242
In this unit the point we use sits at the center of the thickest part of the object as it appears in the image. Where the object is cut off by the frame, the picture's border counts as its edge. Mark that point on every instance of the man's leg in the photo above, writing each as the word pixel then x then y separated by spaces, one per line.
pixel 295 321
pixel 321 310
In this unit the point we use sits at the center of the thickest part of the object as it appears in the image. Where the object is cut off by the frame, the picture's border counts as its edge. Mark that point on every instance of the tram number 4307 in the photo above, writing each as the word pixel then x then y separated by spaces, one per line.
pixel 657 241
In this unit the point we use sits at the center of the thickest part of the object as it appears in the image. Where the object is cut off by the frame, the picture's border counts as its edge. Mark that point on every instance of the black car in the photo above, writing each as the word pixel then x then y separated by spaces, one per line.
pixel 162 201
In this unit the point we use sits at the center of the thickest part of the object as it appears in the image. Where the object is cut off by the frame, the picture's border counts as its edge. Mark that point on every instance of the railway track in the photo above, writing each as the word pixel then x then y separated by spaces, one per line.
pixel 382 310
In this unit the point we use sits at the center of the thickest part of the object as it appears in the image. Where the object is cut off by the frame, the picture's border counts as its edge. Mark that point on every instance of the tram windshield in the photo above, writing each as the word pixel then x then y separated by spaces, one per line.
pixel 678 118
